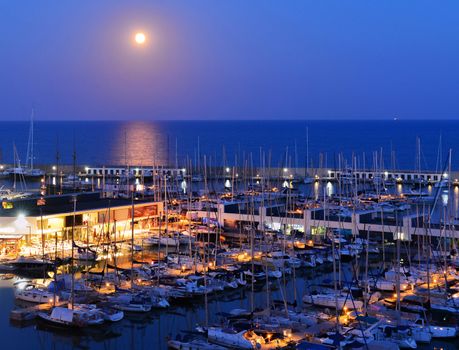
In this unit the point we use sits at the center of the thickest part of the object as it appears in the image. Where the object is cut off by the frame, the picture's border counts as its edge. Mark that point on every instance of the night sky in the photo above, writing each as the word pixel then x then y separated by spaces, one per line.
pixel 229 59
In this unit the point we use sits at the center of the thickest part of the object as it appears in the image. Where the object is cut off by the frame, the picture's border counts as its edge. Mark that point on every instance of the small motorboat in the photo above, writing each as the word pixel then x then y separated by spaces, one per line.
pixel 133 307
pixel 196 344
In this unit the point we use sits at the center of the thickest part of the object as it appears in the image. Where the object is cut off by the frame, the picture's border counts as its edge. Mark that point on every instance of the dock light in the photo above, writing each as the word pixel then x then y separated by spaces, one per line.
pixel 445 175
pixel 444 198
pixel 184 170
pixel 227 170
pixel 285 170
pixel 86 169
pixel 1 167
pixel 50 300
pixel 54 168
pixel 21 215
pixel 237 175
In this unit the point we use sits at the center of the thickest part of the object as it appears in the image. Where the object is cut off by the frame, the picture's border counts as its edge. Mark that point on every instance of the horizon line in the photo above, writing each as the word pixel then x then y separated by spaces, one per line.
pixel 231 120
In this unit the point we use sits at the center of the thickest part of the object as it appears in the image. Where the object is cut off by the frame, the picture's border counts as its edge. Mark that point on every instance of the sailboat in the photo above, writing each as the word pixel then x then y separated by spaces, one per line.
pixel 34 294
pixel 27 171
pixel 63 317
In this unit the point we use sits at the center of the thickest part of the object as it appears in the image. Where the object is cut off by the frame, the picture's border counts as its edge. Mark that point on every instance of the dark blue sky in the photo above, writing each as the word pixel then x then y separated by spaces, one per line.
pixel 229 59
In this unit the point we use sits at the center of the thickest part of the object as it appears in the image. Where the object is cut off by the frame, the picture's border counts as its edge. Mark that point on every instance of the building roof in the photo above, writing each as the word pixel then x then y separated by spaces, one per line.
pixel 62 204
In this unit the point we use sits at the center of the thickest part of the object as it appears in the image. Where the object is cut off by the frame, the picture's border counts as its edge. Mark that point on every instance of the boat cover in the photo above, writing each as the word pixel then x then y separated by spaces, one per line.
pixel 62 313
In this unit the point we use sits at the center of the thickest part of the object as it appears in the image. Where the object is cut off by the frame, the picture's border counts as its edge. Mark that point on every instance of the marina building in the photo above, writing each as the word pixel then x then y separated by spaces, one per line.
pixel 394 222
pixel 88 216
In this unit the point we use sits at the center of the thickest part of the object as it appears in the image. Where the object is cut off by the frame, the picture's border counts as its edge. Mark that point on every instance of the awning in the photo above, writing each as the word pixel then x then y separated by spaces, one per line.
pixel 10 236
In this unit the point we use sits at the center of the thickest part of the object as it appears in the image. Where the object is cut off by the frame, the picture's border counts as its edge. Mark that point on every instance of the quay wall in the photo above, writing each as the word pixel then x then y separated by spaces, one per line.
pixel 268 173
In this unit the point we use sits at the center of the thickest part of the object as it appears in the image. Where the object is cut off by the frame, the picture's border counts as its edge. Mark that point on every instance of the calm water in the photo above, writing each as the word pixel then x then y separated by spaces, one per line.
pixel 141 332
pixel 151 331
pixel 140 143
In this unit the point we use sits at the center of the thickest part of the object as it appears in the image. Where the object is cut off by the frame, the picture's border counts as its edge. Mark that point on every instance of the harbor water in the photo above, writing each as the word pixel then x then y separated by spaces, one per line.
pixel 152 330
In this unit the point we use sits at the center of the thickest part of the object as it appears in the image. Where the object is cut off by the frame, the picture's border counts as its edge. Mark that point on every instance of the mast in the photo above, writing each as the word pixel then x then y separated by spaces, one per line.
pixel 31 141
pixel 132 240
pixel 307 152
pixel 29 156
pixel 206 257
pixel 176 153
pixel 335 286
pixel 199 156
pixel 72 295
pixel 166 214
pixel 126 163
pixel 74 163
pixel 14 166
pixel 58 181
pixel 397 273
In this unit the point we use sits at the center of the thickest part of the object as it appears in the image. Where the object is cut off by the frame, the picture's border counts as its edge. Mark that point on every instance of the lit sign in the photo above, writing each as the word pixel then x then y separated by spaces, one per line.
pixel 7 205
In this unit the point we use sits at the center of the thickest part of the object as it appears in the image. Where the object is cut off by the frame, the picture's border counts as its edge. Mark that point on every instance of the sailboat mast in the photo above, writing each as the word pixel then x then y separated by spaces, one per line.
pixel 31 140
pixel 74 164
pixel 132 240
pixel 166 214
pixel 307 151
pixel 29 156
pixel 72 295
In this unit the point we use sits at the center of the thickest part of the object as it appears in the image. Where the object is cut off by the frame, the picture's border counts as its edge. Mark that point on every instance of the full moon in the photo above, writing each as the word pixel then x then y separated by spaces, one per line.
pixel 140 38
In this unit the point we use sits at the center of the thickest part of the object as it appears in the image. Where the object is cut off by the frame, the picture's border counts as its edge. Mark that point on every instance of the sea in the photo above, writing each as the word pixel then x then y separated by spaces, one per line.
pixel 288 143
pixel 399 144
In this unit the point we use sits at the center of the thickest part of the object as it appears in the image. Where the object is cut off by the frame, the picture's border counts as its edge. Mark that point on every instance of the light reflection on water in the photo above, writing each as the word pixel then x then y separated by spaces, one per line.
pixel 139 144
pixel 137 331
pixel 150 331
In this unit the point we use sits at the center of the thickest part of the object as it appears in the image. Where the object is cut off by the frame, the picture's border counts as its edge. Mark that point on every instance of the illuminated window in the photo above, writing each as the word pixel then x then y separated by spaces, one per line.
pixel 7 205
